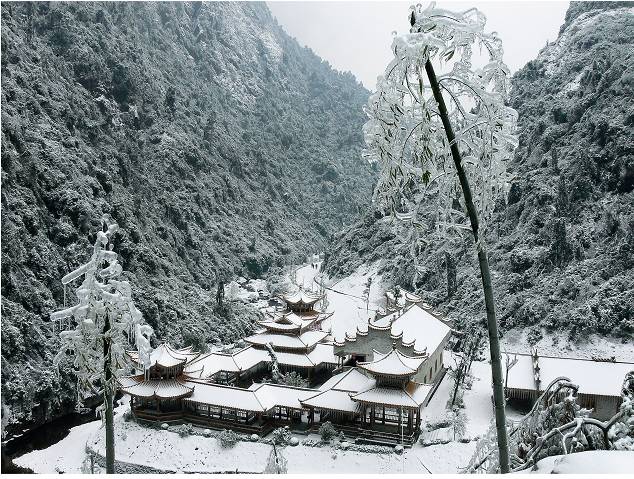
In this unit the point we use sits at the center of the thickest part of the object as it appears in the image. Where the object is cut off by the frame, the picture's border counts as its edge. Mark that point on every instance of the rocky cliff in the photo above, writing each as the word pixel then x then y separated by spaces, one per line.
pixel 219 145
pixel 562 245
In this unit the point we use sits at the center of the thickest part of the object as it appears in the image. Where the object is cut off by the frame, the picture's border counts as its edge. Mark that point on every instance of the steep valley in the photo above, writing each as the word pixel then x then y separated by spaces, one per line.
pixel 218 144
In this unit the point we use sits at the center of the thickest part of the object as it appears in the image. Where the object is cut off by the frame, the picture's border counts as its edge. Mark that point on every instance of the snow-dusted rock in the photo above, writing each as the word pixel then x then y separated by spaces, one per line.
pixel 398 449
pixel 254 438
pixel 294 441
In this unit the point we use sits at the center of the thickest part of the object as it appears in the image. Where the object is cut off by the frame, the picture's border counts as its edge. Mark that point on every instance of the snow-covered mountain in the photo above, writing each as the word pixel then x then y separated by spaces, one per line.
pixel 562 247
pixel 218 144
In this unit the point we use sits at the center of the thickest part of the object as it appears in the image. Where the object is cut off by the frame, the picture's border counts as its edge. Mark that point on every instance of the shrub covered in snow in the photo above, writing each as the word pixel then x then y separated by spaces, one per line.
pixel 282 436
pixel 228 438
pixel 184 430
pixel 327 431
pixel 128 416
pixel 622 433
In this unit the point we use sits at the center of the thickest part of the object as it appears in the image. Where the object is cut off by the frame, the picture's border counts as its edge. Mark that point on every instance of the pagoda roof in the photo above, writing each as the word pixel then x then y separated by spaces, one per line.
pixel 301 296
pixel 166 356
pixel 333 400
pixel 243 360
pixel 351 380
pixel 393 363
pixel 304 341
pixel 415 327
pixel 412 396
pixel 138 386
pixel 290 321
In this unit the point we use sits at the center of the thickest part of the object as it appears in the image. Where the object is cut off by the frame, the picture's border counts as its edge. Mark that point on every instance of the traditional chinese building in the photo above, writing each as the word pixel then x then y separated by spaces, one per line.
pixel 160 385
pixel 411 328
pixel 599 380
pixel 386 373
pixel 295 335
pixel 377 400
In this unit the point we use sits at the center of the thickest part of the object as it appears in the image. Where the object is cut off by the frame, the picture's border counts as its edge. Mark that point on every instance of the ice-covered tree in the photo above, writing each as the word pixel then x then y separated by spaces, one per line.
pixel 98 330
pixel 622 432
pixel 444 139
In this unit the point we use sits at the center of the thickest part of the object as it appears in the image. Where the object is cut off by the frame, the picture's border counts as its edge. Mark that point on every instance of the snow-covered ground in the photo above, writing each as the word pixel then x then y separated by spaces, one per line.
pixel 589 462
pixel 559 345
pixel 67 456
pixel 167 451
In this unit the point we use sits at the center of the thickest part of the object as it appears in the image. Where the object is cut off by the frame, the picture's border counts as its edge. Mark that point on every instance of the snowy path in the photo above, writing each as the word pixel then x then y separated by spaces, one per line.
pixel 304 276
pixel 346 302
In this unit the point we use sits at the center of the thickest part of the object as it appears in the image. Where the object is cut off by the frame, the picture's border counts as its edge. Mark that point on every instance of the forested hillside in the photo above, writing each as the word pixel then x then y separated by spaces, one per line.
pixel 219 145
pixel 562 245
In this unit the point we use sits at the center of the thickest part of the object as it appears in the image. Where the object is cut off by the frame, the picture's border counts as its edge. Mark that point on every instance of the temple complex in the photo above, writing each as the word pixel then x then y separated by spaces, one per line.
pixel 371 384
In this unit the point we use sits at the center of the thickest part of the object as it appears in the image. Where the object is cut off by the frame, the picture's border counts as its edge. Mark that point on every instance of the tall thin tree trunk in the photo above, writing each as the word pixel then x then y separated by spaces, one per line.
pixel 108 393
pixel 494 342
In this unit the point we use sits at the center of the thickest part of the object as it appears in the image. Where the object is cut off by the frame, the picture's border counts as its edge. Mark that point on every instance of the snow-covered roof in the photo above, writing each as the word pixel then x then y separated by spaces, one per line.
pixel 393 363
pixel 212 363
pixel 166 356
pixel 351 380
pixel 271 395
pixel 225 396
pixel 301 296
pixel 304 341
pixel 245 359
pixel 603 378
pixel 280 327
pixel 258 397
pixel 417 327
pixel 413 396
pixel 150 388
pixel 332 399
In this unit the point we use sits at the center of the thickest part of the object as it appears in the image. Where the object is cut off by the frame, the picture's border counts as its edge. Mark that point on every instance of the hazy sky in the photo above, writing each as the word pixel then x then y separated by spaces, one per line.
pixel 356 36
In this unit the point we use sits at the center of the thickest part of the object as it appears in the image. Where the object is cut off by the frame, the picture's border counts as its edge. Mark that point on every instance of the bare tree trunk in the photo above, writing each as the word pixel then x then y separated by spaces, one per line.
pixel 108 398
pixel 450 267
pixel 494 342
